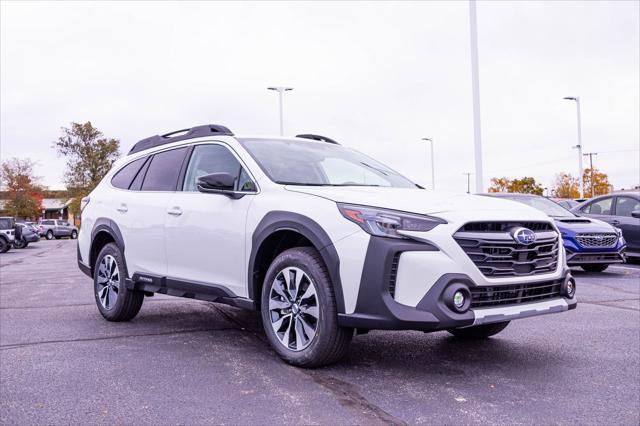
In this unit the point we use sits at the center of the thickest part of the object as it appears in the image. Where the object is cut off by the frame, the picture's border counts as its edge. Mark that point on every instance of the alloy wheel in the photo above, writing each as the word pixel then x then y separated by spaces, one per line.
pixel 294 308
pixel 108 282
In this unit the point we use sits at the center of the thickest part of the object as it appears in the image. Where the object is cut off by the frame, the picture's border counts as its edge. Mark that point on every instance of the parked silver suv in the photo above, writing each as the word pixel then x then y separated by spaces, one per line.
pixel 57 228
pixel 7 233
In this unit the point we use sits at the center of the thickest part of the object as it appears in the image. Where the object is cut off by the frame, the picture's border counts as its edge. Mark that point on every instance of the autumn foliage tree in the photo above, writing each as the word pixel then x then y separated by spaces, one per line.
pixel 566 186
pixel 89 157
pixel 525 185
pixel 24 192
pixel 600 182
pixel 500 184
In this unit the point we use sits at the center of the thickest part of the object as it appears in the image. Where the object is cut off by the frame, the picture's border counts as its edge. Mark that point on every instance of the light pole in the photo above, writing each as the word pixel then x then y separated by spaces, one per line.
pixel 579 146
pixel 475 83
pixel 468 182
pixel 433 173
pixel 280 90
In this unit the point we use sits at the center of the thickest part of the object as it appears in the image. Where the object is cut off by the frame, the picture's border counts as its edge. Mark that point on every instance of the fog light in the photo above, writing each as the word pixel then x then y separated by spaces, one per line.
pixel 569 287
pixel 458 299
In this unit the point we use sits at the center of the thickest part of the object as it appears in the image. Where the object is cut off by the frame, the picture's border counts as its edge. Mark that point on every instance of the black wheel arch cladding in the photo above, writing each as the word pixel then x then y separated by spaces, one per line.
pixel 281 220
pixel 108 226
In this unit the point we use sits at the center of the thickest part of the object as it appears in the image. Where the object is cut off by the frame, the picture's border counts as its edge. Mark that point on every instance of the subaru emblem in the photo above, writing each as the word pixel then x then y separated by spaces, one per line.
pixel 523 236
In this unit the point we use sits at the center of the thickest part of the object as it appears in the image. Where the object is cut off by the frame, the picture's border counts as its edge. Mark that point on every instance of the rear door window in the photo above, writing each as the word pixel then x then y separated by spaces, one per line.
pixel 626 205
pixel 163 171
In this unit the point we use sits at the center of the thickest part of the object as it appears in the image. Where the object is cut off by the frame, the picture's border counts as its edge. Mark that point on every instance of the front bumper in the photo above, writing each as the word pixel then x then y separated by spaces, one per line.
pixel 591 258
pixel 377 305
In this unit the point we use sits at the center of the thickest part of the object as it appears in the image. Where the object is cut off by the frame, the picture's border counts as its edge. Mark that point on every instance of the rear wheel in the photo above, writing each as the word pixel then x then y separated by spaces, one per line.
pixel 49 235
pixel 594 268
pixel 479 331
pixel 115 302
pixel 74 235
pixel 299 311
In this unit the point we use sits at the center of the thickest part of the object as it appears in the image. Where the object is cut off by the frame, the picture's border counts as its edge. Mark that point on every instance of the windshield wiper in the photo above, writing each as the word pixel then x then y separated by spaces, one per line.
pixel 322 184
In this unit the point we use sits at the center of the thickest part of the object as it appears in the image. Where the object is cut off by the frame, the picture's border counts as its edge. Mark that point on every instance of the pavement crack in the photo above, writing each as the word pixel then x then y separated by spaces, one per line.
pixel 348 396
pixel 607 305
pixel 93 339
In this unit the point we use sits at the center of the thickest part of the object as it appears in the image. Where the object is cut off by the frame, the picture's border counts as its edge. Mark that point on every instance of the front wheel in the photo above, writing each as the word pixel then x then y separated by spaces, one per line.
pixel 49 235
pixel 594 268
pixel 5 246
pixel 479 331
pixel 74 235
pixel 299 313
pixel 20 244
pixel 115 302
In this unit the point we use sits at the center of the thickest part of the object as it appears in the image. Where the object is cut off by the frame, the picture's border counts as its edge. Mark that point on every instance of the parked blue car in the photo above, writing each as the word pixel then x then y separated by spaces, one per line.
pixel 590 243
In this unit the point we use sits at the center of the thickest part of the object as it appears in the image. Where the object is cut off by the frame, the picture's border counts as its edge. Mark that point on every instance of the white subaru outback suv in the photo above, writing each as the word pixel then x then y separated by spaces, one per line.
pixel 323 240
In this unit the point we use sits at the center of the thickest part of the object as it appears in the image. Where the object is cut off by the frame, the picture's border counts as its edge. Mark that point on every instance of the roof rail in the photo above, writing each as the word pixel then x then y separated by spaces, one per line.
pixel 317 138
pixel 193 132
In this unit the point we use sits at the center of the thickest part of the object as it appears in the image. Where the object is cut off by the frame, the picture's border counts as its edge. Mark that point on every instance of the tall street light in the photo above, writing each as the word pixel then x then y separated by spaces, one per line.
pixel 579 146
pixel 433 173
pixel 475 83
pixel 280 90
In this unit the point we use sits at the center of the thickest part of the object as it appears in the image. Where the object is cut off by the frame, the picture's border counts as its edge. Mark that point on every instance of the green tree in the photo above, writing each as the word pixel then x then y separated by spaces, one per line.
pixel 526 185
pixel 89 155
pixel 23 189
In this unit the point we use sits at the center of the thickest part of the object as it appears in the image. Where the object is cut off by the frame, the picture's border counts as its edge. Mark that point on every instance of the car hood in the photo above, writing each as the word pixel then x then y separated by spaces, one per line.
pixel 425 202
pixel 583 224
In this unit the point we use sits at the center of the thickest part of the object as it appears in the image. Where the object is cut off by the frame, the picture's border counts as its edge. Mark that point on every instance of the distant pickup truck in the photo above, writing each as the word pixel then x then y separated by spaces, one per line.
pixel 57 228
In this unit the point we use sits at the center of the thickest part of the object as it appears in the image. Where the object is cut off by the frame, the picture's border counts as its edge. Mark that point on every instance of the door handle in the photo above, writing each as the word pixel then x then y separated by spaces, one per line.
pixel 174 211
pixel 123 208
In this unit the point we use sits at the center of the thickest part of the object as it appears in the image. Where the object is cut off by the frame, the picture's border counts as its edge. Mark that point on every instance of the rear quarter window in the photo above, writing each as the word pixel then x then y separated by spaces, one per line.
pixel 123 178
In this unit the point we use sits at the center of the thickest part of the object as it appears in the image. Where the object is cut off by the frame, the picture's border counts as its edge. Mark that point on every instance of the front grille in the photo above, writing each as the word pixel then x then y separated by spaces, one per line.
pixel 505 226
pixel 497 254
pixel 485 297
pixel 393 274
pixel 597 239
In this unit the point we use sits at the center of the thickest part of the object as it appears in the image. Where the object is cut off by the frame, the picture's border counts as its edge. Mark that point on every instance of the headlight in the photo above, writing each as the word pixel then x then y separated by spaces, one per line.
pixel 618 231
pixel 387 223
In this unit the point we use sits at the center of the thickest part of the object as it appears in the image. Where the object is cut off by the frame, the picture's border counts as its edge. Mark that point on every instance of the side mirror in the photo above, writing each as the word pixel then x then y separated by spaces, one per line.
pixel 219 183
pixel 636 214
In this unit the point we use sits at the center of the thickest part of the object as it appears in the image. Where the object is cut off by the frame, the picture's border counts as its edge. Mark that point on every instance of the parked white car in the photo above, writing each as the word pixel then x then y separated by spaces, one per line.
pixel 323 240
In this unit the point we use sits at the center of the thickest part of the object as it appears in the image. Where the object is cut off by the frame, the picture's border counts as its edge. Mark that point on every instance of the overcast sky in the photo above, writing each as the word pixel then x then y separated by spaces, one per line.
pixel 375 76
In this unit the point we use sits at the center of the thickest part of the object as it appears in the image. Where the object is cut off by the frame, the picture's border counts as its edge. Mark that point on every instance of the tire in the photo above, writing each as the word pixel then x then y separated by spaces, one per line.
pixel 109 283
pixel 74 235
pixel 22 243
pixel 49 235
pixel 483 331
pixel 594 268
pixel 5 246
pixel 308 334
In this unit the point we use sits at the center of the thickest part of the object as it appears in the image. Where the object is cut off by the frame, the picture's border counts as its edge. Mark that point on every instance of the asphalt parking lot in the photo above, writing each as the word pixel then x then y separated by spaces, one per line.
pixel 189 362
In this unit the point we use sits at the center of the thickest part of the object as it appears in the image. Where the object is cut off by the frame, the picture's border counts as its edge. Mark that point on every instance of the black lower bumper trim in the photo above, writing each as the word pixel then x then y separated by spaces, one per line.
pixel 377 309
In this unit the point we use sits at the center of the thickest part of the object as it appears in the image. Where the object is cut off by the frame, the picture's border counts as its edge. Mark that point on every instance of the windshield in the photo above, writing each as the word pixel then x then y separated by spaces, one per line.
pixel 313 163
pixel 547 206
